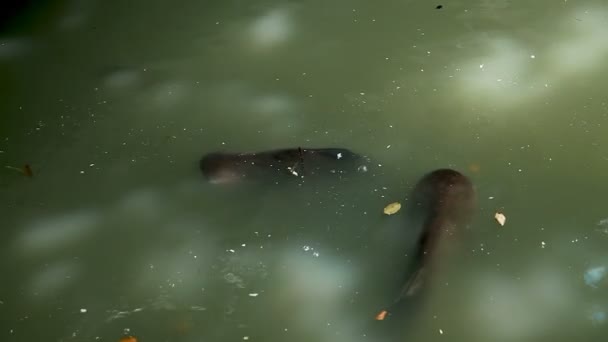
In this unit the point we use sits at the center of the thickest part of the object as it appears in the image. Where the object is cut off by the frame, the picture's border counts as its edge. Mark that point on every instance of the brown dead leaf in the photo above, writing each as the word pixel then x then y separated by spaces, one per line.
pixel 392 208
pixel 500 218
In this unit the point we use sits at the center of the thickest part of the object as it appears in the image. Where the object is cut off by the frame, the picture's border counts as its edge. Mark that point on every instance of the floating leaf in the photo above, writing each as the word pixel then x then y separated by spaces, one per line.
pixel 392 208
pixel 381 315
pixel 128 339
pixel 500 218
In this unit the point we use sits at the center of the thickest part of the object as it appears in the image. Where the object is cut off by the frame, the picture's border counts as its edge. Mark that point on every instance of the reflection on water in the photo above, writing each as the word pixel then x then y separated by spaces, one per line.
pixel 117 232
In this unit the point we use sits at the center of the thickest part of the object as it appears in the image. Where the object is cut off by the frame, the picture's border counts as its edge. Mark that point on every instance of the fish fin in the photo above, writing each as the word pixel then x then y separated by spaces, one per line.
pixel 415 283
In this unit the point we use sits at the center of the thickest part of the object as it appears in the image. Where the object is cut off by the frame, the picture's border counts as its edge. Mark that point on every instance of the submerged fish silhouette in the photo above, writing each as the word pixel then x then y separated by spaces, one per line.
pixel 220 167
pixel 444 201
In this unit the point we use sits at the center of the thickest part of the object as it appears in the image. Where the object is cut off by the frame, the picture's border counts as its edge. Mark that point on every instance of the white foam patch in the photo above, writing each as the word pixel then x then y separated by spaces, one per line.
pixel 511 309
pixel 191 187
pixel 57 233
pixel 54 278
pixel 512 73
pixel 273 104
pixel 122 79
pixel 166 95
pixel 77 14
pixel 145 204
pixel 14 47
pixel 317 287
pixel 272 29
pixel 587 48
pixel 501 74
pixel 178 268
pixel 317 291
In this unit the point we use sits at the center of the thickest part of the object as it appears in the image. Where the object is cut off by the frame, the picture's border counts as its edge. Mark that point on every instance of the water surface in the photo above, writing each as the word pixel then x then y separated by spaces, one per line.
pixel 112 104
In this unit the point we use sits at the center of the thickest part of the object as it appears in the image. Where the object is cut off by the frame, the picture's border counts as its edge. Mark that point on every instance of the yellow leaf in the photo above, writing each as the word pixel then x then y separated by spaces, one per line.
pixel 392 208
pixel 500 218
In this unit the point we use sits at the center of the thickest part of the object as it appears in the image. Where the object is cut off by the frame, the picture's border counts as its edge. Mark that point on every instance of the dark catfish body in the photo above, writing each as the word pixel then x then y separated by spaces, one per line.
pixel 220 167
pixel 443 201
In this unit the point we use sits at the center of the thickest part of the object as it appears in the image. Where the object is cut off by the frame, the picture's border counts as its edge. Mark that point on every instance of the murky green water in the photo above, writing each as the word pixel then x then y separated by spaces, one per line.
pixel 113 103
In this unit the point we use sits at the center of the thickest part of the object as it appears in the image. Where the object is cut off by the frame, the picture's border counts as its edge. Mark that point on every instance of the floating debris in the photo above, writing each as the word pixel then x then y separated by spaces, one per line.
pixel 128 339
pixel 594 276
pixel 254 294
pixel 381 315
pixel 500 218
pixel 392 208
pixel 26 170
pixel 83 310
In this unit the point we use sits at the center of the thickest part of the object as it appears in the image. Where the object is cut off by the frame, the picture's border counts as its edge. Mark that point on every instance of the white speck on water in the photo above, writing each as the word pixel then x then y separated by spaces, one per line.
pixel 532 56
pixel 81 172
pixel 230 250
pixel 388 146
pixel 253 294
pixel 362 94
pixel 306 248
pixel 339 155
pixel 491 197
pixel 243 245
pixel 245 338
pixel 542 244
pixel 315 254
pixel 440 332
